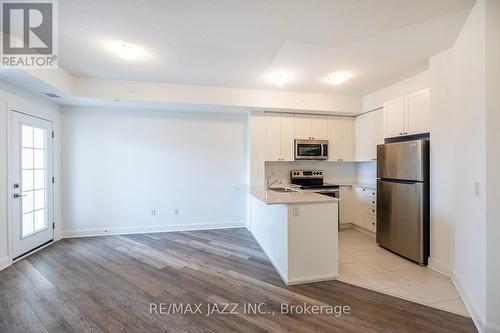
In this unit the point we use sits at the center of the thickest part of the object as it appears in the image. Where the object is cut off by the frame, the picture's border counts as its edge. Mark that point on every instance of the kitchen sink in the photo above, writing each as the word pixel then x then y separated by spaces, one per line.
pixel 283 189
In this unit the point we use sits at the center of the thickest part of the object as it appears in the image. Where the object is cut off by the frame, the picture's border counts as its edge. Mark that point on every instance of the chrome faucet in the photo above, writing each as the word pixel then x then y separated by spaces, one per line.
pixel 269 184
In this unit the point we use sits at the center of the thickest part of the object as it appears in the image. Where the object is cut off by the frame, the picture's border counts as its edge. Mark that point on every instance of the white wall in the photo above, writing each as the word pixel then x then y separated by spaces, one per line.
pixel 332 171
pixel 467 119
pixel 458 141
pixel 11 97
pixel 377 98
pixel 119 165
pixel 367 172
pixel 492 36
pixel 442 164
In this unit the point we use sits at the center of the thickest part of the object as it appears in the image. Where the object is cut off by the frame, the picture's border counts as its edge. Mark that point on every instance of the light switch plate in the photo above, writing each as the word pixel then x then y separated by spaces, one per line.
pixel 296 211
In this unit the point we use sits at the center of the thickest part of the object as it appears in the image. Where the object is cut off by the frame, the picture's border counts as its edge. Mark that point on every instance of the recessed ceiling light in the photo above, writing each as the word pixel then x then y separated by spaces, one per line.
pixel 279 78
pixel 126 50
pixel 338 77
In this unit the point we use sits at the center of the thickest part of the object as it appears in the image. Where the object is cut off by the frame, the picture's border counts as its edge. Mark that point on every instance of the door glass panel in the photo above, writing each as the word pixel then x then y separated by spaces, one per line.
pixel 27 224
pixel 34 180
pixel 39 201
pixel 28 202
pixel 39 158
pixel 39 219
pixel 39 182
pixel 27 136
pixel 27 180
pixel 27 156
pixel 38 138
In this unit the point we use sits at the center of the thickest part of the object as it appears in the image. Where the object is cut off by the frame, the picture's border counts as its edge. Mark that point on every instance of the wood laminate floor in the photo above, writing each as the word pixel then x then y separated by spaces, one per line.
pixel 107 284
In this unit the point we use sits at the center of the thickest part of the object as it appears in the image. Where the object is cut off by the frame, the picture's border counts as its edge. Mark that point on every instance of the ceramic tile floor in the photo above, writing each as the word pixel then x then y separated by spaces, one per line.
pixel 363 263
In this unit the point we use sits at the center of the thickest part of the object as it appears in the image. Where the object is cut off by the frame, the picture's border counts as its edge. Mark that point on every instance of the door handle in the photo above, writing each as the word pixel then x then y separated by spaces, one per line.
pixel 17 195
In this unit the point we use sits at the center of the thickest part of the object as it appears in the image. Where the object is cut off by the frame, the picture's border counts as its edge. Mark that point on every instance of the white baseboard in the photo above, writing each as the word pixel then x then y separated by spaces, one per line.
pixel 311 279
pixel 364 231
pixel 150 229
pixel 477 317
pixel 439 267
pixel 4 263
pixel 282 275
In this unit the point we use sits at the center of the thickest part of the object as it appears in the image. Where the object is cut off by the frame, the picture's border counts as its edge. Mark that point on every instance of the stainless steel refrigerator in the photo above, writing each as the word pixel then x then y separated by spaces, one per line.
pixel 403 198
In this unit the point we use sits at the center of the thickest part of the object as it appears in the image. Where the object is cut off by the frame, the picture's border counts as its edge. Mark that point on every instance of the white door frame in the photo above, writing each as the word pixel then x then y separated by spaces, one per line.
pixel 10 190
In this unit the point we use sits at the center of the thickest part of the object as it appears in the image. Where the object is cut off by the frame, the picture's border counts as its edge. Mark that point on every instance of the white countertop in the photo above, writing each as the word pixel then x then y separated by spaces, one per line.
pixel 283 198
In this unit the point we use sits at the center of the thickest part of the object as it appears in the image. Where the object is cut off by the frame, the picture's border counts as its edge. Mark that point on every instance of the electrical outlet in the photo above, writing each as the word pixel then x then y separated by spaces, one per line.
pixel 176 211
pixel 296 211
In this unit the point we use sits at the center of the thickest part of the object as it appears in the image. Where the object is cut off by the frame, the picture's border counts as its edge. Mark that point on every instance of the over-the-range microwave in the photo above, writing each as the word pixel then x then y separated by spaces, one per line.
pixel 311 149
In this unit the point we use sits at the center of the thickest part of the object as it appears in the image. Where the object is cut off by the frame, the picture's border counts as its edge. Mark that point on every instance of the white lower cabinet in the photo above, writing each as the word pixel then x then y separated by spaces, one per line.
pixel 358 206
pixel 345 193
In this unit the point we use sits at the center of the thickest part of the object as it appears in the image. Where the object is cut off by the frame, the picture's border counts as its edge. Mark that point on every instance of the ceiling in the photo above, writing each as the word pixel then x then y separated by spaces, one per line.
pixel 235 43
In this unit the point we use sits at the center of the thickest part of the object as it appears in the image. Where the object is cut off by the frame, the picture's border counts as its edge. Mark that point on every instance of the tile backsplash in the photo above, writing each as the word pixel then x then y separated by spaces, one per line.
pixel 364 172
pixel 331 170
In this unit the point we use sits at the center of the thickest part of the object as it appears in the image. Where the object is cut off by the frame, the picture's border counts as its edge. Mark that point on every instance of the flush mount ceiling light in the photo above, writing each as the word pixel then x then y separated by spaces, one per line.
pixel 280 78
pixel 126 50
pixel 338 77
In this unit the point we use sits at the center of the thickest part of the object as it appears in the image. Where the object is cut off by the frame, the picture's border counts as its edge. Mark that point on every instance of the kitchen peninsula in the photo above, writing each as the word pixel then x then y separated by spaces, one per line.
pixel 298 231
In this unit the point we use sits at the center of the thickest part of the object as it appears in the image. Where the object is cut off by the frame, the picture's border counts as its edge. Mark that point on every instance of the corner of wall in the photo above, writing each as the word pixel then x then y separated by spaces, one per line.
pixel 476 315
pixel 5 262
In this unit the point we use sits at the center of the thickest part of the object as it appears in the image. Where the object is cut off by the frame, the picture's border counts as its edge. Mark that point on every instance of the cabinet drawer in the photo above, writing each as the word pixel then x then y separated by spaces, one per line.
pixel 371 223
pixel 372 204
pixel 371 211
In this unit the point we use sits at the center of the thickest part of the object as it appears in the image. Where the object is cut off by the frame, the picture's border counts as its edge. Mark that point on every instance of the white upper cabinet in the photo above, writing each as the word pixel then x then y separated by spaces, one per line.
pixel 418 112
pixel 366 136
pixel 311 127
pixel 273 137
pixel 279 137
pixel 380 126
pixel 303 125
pixel 394 117
pixel 287 136
pixel 407 115
pixel 319 127
pixel 283 128
pixel 340 138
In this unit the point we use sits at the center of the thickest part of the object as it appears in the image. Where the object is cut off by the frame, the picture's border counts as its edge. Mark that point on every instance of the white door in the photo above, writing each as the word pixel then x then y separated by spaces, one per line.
pixel 32 190
pixel 394 118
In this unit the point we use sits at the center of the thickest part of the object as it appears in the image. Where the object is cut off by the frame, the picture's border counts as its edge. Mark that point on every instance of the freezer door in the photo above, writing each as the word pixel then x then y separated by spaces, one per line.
pixel 401 218
pixel 407 160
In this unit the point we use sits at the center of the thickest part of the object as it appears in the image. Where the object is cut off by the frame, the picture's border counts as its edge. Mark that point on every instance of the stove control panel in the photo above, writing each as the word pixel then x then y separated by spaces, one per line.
pixel 306 173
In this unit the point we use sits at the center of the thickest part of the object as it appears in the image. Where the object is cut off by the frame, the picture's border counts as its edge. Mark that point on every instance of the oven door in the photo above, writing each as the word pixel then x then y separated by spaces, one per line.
pixel 333 194
pixel 311 149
